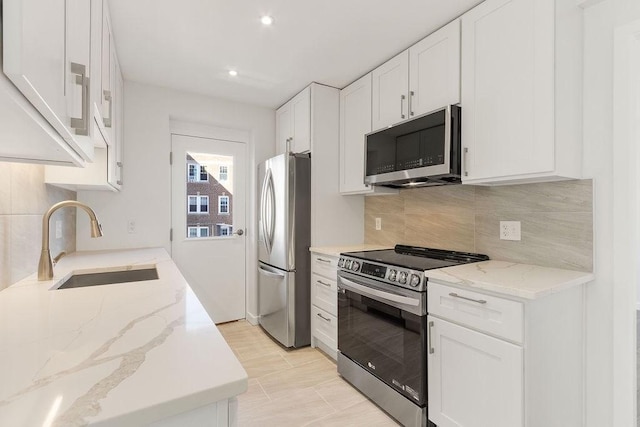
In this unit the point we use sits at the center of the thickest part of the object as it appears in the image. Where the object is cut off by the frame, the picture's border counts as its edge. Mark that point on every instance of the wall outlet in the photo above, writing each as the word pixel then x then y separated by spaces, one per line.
pixel 510 230
pixel 58 229
pixel 378 224
pixel 131 226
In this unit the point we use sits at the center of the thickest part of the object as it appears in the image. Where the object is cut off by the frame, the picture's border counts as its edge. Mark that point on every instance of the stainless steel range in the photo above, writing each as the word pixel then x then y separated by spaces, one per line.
pixel 382 325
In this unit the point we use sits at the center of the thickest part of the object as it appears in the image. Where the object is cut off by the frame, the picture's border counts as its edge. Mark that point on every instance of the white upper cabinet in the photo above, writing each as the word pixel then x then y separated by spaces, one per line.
pixel 293 124
pixel 389 97
pixel 421 79
pixel 45 55
pixel 104 107
pixel 105 113
pixel 355 123
pixel 434 71
pixel 518 125
pixel 78 64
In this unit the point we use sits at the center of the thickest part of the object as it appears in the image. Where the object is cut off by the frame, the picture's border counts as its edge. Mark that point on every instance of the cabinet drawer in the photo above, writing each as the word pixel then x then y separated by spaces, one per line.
pixel 496 316
pixel 324 265
pixel 324 326
pixel 323 293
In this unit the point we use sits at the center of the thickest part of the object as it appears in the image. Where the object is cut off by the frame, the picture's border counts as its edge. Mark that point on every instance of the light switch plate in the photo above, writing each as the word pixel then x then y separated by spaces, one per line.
pixel 510 230
pixel 378 224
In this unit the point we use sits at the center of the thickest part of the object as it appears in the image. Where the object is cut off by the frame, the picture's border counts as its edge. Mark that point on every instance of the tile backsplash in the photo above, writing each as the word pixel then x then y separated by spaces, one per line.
pixel 24 198
pixel 556 221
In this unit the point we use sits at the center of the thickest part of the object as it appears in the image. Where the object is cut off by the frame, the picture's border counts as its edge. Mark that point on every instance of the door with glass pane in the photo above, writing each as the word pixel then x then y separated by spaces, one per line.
pixel 208 219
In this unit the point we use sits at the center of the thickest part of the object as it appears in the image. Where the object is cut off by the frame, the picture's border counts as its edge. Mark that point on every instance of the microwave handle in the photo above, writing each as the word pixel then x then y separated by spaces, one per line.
pixel 411 94
pixel 465 163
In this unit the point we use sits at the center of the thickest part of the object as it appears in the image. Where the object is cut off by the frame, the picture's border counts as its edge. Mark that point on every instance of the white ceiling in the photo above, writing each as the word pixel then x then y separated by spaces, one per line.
pixel 192 44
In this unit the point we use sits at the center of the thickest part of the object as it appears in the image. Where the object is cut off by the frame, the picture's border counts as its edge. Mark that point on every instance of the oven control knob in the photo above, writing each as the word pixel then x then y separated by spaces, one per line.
pixel 355 266
pixel 341 262
pixel 402 277
pixel 392 275
pixel 415 280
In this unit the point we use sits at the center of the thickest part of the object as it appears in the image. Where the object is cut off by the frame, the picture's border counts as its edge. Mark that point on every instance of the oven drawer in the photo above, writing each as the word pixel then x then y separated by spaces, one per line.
pixel 496 316
pixel 324 326
pixel 323 293
pixel 324 265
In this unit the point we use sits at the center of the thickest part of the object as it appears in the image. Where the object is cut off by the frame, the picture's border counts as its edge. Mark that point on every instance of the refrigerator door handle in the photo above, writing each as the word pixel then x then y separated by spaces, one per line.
pixel 272 206
pixel 269 273
pixel 263 210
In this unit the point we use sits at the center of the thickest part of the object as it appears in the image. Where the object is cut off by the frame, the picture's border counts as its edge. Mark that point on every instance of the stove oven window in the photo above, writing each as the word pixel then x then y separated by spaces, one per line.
pixel 386 341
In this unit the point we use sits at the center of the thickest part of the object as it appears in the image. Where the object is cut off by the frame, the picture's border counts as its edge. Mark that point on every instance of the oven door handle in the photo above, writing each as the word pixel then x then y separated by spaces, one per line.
pixel 376 294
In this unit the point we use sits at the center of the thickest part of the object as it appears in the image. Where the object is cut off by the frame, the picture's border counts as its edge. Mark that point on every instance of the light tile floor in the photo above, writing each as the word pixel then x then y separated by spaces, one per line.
pixel 294 387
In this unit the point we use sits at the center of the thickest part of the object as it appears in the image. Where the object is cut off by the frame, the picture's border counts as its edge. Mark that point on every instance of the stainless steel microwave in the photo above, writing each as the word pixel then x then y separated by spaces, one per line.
pixel 423 151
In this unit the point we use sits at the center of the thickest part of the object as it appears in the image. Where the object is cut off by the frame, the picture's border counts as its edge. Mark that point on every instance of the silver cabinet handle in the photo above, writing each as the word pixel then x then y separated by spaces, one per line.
pixel 466 168
pixel 109 98
pixel 323 318
pixel 479 301
pixel 402 98
pixel 324 260
pixel 431 349
pixel 119 164
pixel 322 283
pixel 81 125
pixel 411 93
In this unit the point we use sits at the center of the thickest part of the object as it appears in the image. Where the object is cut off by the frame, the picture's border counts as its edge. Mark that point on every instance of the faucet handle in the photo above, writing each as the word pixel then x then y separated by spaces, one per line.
pixel 57 257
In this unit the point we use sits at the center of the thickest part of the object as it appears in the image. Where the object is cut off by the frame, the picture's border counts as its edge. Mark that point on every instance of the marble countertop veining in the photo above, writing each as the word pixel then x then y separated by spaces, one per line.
pixel 337 250
pixel 122 354
pixel 511 279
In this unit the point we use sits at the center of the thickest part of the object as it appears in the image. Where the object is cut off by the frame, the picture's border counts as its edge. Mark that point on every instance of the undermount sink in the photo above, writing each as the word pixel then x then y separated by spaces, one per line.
pixel 122 275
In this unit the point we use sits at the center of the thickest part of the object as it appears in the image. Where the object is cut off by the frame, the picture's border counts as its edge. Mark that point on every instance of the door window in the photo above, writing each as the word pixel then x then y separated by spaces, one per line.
pixel 209 179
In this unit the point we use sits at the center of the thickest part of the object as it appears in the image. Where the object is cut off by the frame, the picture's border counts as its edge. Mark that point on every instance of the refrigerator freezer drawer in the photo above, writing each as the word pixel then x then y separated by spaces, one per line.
pixel 276 311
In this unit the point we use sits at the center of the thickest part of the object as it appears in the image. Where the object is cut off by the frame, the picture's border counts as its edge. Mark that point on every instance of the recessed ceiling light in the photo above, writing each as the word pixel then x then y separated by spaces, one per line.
pixel 233 73
pixel 266 20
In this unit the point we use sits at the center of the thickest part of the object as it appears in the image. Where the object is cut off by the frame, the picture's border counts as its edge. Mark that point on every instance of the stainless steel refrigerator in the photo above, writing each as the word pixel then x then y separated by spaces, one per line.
pixel 284 235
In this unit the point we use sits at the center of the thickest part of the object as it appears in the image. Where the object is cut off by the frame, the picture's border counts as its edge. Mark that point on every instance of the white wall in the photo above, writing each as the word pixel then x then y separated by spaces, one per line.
pixel 146 194
pixel 601 19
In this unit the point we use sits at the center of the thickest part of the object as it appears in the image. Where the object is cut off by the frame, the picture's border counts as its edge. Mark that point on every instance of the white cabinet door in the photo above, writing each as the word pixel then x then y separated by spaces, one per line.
pixel 284 124
pixel 301 120
pixel 389 95
pixel 507 89
pixel 115 163
pixel 474 380
pixel 107 67
pixel 34 46
pixel 355 123
pixel 78 66
pixel 434 70
pixel 293 124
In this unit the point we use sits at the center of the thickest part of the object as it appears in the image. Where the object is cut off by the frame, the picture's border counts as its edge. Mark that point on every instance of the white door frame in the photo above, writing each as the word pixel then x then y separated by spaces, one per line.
pixel 185 128
pixel 626 220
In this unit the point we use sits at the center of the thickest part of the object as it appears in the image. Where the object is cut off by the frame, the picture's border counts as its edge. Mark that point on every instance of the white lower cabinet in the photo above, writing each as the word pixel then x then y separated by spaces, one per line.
pixel 324 303
pixel 498 361
pixel 324 331
pixel 474 379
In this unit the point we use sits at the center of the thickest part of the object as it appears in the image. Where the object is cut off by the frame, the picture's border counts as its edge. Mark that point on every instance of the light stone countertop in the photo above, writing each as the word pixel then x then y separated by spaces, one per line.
pixel 510 279
pixel 503 277
pixel 122 354
pixel 337 250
